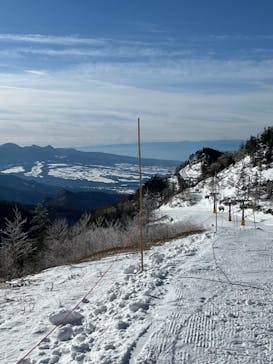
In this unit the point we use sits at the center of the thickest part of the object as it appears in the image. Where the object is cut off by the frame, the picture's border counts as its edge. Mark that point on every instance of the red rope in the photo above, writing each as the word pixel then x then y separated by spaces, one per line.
pixel 67 315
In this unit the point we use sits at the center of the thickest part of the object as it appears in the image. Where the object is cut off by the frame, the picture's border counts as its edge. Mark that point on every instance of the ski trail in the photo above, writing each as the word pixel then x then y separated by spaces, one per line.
pixel 161 343
pixel 206 319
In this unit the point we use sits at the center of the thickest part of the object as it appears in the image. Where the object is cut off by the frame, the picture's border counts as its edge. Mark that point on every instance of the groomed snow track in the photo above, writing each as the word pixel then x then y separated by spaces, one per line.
pixel 220 308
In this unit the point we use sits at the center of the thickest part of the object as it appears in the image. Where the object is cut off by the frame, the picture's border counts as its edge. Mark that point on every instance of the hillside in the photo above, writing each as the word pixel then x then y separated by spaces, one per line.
pixel 61 203
pixel 85 200
pixel 13 188
pixel 243 175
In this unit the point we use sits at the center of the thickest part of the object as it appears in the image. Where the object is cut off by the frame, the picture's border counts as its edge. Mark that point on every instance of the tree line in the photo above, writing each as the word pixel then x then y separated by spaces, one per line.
pixel 31 244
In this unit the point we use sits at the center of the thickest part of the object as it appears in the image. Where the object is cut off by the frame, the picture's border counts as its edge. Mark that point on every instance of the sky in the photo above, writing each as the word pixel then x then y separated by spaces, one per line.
pixel 80 72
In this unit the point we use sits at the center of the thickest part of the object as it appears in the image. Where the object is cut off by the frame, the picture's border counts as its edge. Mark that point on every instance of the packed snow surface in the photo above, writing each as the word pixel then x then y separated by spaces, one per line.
pixel 203 299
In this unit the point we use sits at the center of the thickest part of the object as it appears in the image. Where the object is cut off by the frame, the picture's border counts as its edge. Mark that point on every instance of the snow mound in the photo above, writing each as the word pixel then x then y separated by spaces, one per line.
pixel 74 318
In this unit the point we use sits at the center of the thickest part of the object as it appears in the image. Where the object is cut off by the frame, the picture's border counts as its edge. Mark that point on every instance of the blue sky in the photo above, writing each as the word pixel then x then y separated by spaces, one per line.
pixel 79 72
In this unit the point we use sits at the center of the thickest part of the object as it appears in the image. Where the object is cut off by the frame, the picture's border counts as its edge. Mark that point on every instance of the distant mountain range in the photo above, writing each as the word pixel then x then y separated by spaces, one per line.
pixel 72 169
pixel 179 151
pixel 70 179
pixel 12 153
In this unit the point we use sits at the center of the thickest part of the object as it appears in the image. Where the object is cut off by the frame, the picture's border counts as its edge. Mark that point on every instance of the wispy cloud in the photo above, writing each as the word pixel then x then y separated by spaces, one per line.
pixel 71 108
pixel 112 52
pixel 239 37
pixel 182 75
pixel 74 49
pixel 25 45
pixel 36 72
pixel 47 39
pixel 72 90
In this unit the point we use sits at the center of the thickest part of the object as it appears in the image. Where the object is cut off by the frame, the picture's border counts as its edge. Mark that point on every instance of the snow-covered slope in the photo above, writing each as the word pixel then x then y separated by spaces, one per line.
pixel 241 179
pixel 191 170
pixel 201 299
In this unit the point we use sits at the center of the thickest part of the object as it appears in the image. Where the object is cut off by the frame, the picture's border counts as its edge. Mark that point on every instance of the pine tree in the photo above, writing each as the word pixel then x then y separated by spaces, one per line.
pixel 39 225
pixel 16 247
pixel 58 242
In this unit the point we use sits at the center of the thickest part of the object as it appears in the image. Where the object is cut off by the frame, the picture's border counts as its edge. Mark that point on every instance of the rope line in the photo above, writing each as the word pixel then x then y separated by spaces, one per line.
pixel 67 315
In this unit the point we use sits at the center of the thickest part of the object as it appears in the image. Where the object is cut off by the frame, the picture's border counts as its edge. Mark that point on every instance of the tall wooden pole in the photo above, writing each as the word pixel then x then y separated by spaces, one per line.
pixel 214 204
pixel 216 214
pixel 229 210
pixel 243 222
pixel 140 216
pixel 214 194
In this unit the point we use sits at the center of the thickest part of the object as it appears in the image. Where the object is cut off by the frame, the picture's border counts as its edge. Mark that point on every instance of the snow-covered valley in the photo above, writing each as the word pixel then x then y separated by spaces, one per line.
pixel 70 168
pixel 121 177
pixel 206 298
